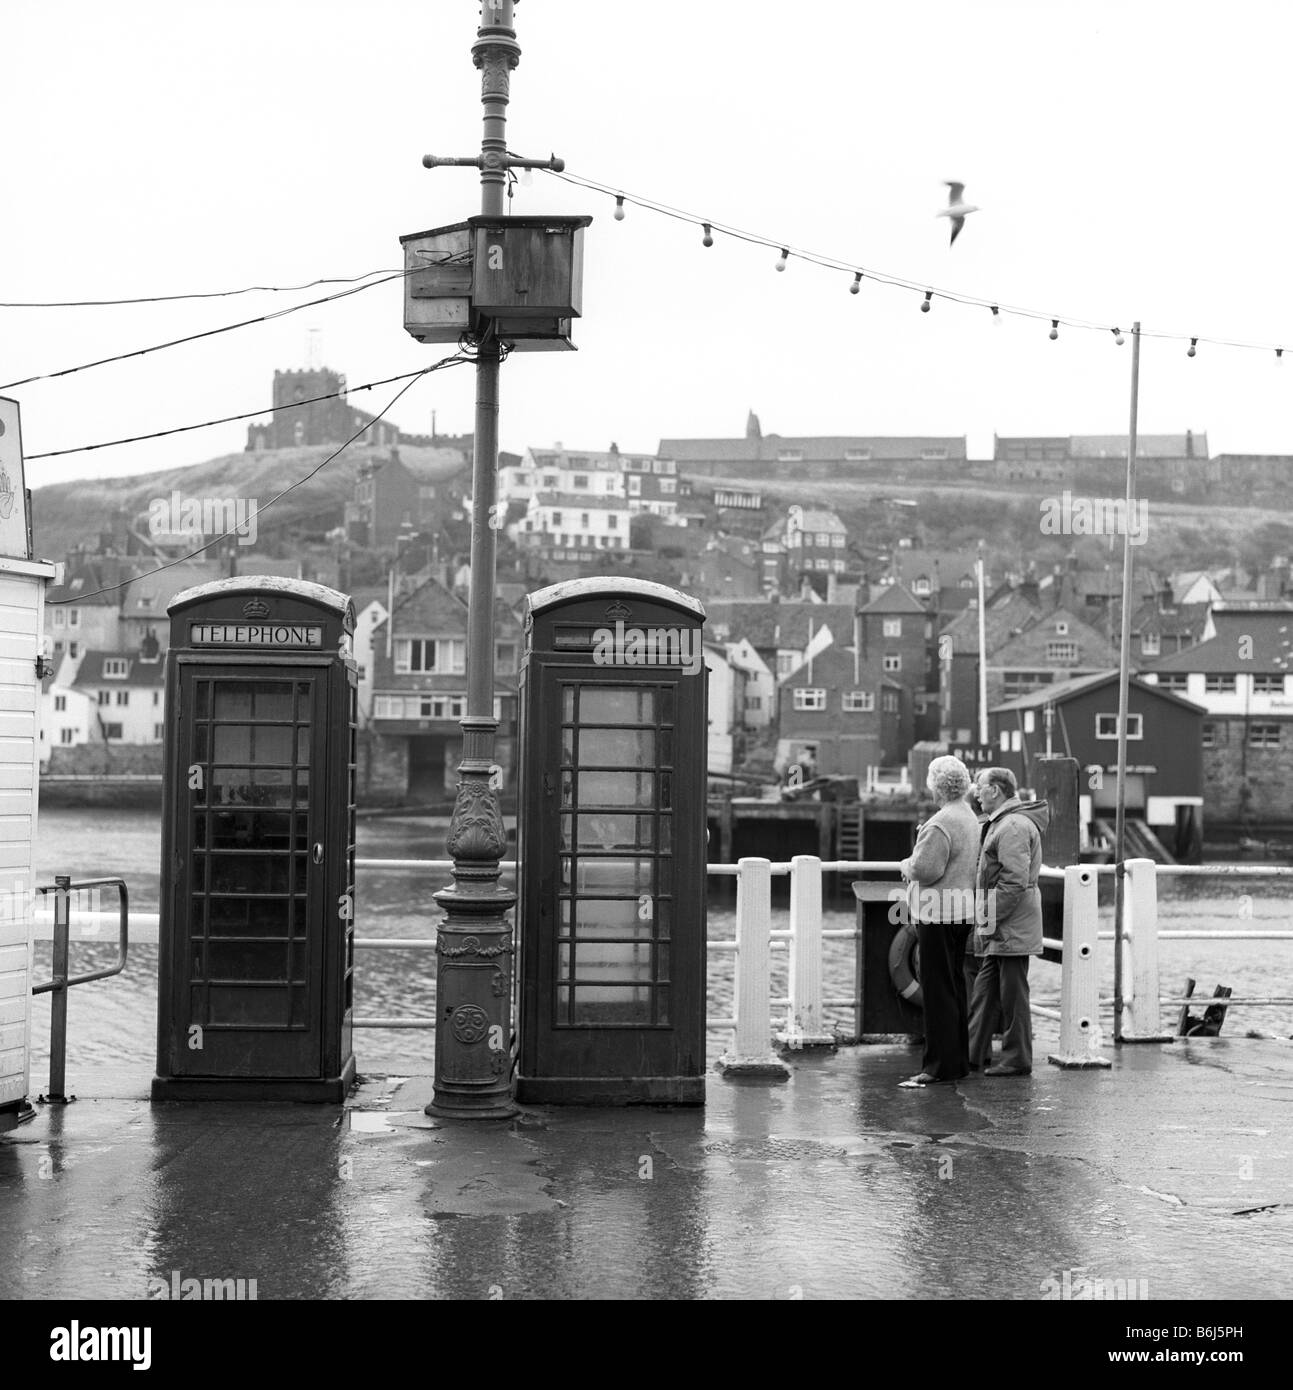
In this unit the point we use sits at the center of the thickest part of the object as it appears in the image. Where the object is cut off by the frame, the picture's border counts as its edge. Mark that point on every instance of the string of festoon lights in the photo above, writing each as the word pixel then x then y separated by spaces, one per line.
pixel 709 227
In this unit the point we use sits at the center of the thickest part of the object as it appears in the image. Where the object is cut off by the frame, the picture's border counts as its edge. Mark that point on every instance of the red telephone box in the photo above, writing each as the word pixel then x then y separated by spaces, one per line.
pixel 611 913
pixel 256 950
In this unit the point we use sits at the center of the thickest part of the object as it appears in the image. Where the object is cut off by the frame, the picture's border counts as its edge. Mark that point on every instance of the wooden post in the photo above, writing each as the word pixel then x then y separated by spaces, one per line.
pixel 804 1026
pixel 752 1053
pixel 1141 1015
pixel 1079 984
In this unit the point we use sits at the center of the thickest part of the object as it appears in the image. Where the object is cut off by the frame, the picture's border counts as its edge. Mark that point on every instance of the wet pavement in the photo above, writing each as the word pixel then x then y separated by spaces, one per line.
pixel 1174 1167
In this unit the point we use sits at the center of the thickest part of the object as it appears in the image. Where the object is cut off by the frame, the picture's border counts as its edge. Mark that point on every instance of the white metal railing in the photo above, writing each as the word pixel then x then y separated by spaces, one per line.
pixel 753 1025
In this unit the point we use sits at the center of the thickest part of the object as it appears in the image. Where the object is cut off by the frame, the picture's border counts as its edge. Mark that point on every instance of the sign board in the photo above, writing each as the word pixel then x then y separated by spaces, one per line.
pixel 15 533
pixel 256 634
pixel 974 754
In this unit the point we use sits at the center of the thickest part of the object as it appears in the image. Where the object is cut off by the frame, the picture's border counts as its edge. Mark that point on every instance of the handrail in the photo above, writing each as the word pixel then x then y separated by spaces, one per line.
pixel 62 888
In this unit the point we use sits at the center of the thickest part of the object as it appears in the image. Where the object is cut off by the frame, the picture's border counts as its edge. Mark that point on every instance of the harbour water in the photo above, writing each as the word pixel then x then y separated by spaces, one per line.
pixel 115 1020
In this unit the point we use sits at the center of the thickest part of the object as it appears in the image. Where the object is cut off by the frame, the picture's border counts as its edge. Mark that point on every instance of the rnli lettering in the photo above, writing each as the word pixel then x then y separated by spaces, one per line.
pixel 256 634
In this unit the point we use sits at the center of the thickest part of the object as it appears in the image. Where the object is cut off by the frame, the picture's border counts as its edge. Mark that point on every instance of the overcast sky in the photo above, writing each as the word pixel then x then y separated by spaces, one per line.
pixel 1129 160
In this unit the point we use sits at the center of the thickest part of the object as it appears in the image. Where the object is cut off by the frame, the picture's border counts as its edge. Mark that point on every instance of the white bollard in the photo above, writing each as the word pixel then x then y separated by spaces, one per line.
pixel 804 1026
pixel 752 1053
pixel 1141 1015
pixel 1080 1034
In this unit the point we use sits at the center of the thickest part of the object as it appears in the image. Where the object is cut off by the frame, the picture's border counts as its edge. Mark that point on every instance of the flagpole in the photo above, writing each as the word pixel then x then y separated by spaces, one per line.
pixel 1124 682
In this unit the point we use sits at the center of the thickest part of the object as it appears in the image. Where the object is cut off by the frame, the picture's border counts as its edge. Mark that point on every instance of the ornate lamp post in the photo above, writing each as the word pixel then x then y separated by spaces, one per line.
pixel 474 948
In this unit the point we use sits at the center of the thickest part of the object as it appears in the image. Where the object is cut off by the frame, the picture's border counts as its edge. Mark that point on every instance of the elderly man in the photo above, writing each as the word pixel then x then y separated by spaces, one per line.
pixel 1009 928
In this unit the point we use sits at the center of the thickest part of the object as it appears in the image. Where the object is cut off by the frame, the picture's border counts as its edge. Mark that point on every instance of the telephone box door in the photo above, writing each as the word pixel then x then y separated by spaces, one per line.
pixel 613 976
pixel 248 975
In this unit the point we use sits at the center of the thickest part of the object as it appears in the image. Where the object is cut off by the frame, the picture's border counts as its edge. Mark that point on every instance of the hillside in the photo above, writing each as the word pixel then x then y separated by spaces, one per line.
pixel 66 514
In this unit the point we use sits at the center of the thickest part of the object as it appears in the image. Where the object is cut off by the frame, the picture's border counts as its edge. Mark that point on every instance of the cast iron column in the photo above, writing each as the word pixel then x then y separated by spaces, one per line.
pixel 474 941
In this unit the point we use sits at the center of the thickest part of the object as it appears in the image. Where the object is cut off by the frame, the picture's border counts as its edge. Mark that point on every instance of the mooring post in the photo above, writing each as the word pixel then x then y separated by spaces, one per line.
pixel 752 1053
pixel 1080 1033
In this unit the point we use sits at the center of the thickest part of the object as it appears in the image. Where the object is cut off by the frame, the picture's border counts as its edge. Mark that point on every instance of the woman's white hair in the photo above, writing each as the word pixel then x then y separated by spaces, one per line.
pixel 948 778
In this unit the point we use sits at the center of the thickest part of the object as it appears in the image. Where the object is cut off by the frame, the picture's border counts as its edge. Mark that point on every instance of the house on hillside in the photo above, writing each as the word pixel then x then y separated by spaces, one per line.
pixel 420 693
pixel 68 715
pixel 1078 718
pixel 1241 674
pixel 779 630
pixel 125 691
pixel 1004 618
pixel 841 715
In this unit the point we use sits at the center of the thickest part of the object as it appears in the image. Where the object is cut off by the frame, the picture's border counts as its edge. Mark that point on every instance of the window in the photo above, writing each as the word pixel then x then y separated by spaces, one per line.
pixel 1268 685
pixel 668 486
pixel 557 521
pixel 74 617
pixel 1061 629
pixel 837 541
pixel 857 455
pixel 933 455
pixel 1151 644
pixel 550 480
pixel 1106 726
pixel 60 617
pixel 447 655
pixel 1021 682
pixel 115 668
pixel 1219 685
pixel 754 702
pixel 823 539
pixel 922 587
pixel 157 698
pixel 1173 680
pixel 584 520
pixel 893 627
pixel 105 697
pixel 67 735
pixel 111 731
pixel 790 456
pixel 858 702
pixel 810 697
pixel 158 731
pixel 580 481
pixel 1061 651
pixel 73 649
pixel 1263 736
pixel 123 697
pixel 612 521
pixel 892 661
pixel 837 566
pixel 1208 735
pixel 505 658
pixel 889 701
pixel 786 662
pixel 1030 721
pixel 60 702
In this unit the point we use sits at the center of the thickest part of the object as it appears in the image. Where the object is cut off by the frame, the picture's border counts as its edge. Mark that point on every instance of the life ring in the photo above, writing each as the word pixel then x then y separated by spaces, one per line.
pixel 903 966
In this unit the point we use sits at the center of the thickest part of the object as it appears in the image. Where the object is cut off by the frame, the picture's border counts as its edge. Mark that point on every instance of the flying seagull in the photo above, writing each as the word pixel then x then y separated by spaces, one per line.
pixel 957 208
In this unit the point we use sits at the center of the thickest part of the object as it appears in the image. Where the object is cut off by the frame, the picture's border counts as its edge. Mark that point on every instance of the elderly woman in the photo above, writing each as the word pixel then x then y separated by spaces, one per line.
pixel 941 872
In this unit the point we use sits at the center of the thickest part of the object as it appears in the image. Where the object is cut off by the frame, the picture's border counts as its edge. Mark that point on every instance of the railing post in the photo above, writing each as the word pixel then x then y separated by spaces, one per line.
pixel 1141 1015
pixel 804 1027
pixel 1080 977
pixel 752 1053
pixel 58 1004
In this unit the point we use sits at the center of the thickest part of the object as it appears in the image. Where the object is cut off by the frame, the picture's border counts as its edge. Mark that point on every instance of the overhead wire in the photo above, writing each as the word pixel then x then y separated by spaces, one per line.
pixel 172 298
pixel 208 333
pixel 457 359
pixel 224 419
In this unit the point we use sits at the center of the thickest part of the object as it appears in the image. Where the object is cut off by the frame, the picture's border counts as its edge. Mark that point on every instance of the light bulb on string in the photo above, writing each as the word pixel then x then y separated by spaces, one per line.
pixel 1117 337
pixel 996 314
pixel 527 178
pixel 785 256
pixel 708 238
pixel 1194 343
pixel 924 307
pixel 1279 356
pixel 619 208
pixel 857 282
pixel 1055 330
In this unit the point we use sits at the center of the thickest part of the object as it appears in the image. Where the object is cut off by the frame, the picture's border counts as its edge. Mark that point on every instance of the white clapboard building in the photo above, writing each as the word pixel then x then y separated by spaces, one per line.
pixel 22 637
